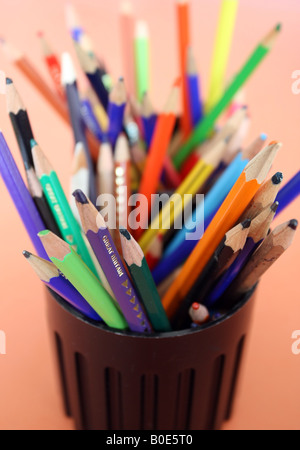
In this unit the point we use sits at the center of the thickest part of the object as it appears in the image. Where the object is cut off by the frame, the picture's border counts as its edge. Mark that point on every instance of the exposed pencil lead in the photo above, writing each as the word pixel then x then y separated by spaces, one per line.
pixel 293 224
pixel 277 178
pixel 274 206
pixel 33 143
pixel 246 223
pixel 8 80
pixel 125 233
pixel 26 254
pixel 80 197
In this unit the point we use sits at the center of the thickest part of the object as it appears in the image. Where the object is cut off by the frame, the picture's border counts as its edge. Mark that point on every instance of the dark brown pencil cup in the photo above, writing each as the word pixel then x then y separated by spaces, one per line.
pixel 121 381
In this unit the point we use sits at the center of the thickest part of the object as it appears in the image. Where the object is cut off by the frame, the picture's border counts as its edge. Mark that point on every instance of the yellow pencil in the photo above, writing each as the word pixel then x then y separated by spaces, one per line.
pixel 221 51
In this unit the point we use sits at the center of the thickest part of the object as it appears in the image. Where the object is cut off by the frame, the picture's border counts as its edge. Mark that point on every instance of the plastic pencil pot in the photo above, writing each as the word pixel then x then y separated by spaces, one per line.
pixel 172 381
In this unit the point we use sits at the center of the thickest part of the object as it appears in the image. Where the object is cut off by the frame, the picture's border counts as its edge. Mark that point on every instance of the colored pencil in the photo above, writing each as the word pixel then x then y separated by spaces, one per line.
pixel 149 118
pixel 288 193
pixel 51 277
pixel 22 128
pixel 91 68
pixel 201 132
pixel 52 63
pixel 230 127
pixel 59 205
pixel 228 214
pixel 143 281
pixel 193 89
pixel 155 251
pixel 275 244
pixel 79 176
pixel 29 71
pixel 191 185
pixel 183 28
pixel 68 79
pixel 213 200
pixel 127 25
pixel 21 197
pixel 141 58
pixel 265 196
pixel 108 257
pixel 122 162
pixel 158 151
pixel 106 183
pixel 221 51
pixel 259 229
pixel 82 278
pixel 116 110
pixel 90 119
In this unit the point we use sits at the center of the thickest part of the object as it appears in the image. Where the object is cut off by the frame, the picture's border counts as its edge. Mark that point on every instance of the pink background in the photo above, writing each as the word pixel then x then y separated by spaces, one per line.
pixel 269 393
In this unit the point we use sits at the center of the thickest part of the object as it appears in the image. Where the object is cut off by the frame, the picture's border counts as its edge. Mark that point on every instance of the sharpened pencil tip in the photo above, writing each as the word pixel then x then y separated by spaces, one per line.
pixel 33 143
pixel 80 197
pixel 8 80
pixel 263 136
pixel 277 178
pixel 246 223
pixel 26 254
pixel 293 224
pixel 274 207
pixel 125 233
pixel 278 27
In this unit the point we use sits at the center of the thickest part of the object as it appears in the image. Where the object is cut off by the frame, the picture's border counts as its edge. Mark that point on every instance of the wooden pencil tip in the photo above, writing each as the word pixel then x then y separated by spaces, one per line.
pixel 125 233
pixel 80 197
pixel 293 224
pixel 8 80
pixel 40 34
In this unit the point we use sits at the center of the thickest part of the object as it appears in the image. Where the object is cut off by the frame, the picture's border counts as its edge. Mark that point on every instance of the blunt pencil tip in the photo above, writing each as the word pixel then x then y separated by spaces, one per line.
pixel 33 143
pixel 246 223
pixel 277 178
pixel 26 254
pixel 8 80
pixel 274 207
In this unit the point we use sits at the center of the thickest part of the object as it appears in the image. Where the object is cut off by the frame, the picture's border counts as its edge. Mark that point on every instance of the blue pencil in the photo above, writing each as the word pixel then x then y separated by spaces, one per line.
pixel 193 83
pixel 288 193
pixel 116 110
pixel 180 247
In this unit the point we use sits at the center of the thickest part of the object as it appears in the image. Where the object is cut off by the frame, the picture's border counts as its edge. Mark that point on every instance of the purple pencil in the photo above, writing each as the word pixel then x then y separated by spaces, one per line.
pixel 116 110
pixel 21 197
pixel 51 277
pixel 99 237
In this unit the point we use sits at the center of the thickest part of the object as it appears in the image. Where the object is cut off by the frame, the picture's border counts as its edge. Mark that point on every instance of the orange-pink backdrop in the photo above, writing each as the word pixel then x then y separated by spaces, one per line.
pixel 269 394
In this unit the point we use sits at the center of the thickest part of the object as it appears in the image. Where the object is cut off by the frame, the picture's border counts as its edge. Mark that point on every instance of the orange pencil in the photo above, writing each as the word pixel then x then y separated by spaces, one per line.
pixel 157 153
pixel 227 216
pixel 184 43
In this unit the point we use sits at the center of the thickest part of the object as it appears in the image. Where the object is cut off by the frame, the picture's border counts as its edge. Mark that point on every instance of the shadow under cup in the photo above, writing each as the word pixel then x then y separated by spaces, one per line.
pixel 182 380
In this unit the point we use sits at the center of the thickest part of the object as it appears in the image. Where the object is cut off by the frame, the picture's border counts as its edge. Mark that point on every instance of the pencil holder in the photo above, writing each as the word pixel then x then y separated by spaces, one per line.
pixel 182 380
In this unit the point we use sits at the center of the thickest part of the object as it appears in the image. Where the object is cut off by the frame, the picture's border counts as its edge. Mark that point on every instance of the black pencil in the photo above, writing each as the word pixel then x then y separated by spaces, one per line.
pixel 22 129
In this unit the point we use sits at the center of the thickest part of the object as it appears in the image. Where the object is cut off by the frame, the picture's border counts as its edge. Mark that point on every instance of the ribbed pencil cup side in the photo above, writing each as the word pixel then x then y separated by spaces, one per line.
pixel 118 381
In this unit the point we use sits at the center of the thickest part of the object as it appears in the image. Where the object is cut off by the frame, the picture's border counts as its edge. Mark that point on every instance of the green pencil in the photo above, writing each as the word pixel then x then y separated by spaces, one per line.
pixel 206 125
pixel 59 205
pixel 141 54
pixel 82 278
pixel 143 281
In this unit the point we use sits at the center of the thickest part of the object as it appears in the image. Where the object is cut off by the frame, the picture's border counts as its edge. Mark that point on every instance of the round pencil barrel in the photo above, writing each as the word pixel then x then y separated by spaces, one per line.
pixel 109 382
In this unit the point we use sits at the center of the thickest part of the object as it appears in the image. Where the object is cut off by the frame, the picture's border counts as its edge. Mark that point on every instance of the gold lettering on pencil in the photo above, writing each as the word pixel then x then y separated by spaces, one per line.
pixel 125 284
pixel 136 308
pixel 132 300
pixel 129 292
pixel 139 316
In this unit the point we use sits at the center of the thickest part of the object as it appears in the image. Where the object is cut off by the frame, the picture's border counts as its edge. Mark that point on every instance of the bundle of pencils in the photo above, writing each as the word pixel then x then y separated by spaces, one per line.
pixel 134 245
